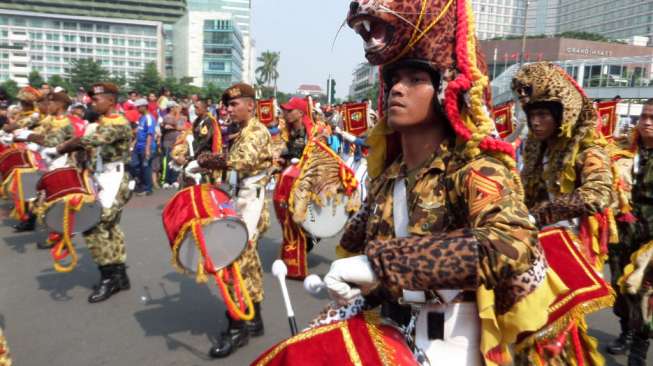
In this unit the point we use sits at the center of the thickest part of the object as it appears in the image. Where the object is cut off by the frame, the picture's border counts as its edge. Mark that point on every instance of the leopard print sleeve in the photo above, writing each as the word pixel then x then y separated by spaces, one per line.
pixel 353 238
pixel 592 196
pixel 494 243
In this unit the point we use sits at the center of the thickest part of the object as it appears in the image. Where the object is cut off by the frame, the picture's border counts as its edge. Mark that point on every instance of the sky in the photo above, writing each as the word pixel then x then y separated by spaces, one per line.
pixel 303 31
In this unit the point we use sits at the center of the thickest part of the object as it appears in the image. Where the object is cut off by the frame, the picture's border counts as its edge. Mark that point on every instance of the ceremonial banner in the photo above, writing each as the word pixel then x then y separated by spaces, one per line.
pixel 608 117
pixel 502 115
pixel 355 118
pixel 586 292
pixel 266 111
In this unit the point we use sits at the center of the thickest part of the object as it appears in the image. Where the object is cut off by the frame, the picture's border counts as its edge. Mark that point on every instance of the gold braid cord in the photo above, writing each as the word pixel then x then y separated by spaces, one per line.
pixel 323 176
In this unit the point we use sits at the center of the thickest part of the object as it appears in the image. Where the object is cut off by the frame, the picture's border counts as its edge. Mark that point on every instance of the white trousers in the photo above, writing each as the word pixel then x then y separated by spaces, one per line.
pixel 462 335
pixel 249 205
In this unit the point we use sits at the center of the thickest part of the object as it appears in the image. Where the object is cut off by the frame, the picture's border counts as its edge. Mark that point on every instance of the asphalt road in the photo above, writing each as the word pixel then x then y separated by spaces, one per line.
pixel 166 318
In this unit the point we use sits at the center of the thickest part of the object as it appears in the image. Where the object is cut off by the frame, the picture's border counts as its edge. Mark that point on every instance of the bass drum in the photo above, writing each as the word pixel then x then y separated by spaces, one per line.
pixel 203 229
pixel 63 186
pixel 327 220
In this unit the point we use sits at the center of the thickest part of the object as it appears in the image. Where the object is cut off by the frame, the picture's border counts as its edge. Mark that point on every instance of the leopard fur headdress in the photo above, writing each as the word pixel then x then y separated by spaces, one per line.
pixel 547 82
pixel 442 33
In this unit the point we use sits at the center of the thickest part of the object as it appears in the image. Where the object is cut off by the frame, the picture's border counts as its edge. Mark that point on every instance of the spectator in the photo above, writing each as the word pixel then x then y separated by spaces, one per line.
pixel 76 117
pixel 141 161
pixel 164 98
pixel 153 105
pixel 191 107
pixel 171 127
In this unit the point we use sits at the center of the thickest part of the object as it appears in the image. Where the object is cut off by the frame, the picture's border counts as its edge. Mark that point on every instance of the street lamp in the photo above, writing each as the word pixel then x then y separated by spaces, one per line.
pixel 523 37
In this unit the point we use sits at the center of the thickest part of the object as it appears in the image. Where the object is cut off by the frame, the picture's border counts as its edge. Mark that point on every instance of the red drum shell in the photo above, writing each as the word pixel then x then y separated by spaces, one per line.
pixel 61 183
pixel 225 234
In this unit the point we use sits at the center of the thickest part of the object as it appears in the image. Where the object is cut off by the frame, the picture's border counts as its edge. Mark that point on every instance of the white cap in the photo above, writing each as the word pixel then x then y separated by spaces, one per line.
pixel 140 102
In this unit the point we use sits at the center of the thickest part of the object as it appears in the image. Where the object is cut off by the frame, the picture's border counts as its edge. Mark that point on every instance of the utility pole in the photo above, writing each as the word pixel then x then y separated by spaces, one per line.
pixel 329 90
pixel 523 37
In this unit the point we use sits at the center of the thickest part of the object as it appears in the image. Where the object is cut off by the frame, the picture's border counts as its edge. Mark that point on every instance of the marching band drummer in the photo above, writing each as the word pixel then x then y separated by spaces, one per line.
pixel 108 148
pixel 250 155
pixel 207 137
pixel 28 118
pixel 444 223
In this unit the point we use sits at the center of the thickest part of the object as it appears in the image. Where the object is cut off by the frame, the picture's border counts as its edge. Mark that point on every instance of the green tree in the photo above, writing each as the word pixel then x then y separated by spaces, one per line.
pixel 373 94
pixel 267 73
pixel 121 82
pixel 86 72
pixel 212 91
pixel 10 87
pixel 35 79
pixel 147 80
pixel 58 80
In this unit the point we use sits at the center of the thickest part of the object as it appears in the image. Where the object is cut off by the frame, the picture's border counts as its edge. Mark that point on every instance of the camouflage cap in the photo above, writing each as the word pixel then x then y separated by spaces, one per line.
pixel 103 88
pixel 29 94
pixel 240 90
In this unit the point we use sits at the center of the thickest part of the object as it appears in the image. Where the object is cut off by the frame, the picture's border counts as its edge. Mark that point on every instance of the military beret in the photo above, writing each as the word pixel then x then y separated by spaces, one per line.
pixel 29 94
pixel 103 88
pixel 240 90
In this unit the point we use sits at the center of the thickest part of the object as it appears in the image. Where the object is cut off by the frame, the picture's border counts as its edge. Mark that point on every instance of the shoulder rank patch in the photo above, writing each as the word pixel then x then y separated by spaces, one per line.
pixel 483 191
pixel 204 130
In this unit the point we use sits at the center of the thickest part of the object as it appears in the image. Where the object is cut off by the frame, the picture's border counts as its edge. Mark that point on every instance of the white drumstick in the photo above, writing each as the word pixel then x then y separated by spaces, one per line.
pixel 279 270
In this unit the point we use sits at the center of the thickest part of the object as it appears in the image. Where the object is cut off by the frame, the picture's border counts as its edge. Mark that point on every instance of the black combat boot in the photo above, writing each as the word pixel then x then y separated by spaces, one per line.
pixel 638 351
pixel 109 284
pixel 621 345
pixel 28 225
pixel 234 337
pixel 255 326
pixel 121 276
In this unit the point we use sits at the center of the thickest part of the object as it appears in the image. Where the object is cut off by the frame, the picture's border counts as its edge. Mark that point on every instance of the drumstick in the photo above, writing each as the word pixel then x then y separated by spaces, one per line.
pixel 279 270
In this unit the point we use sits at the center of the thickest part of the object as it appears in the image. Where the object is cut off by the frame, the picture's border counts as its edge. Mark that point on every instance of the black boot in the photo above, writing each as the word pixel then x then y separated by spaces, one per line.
pixel 621 345
pixel 638 351
pixel 255 326
pixel 109 284
pixel 121 276
pixel 234 337
pixel 28 225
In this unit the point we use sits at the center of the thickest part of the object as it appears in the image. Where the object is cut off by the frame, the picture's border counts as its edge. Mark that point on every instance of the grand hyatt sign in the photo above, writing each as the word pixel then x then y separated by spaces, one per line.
pixel 589 51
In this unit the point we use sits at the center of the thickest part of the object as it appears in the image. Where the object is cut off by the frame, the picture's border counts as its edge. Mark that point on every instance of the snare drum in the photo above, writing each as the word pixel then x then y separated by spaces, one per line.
pixel 203 229
pixel 20 170
pixel 66 186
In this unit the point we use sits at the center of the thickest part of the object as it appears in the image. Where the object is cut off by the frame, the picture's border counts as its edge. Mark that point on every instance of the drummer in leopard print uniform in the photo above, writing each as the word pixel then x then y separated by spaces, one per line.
pixel 108 150
pixel 250 156
pixel 5 357
pixel 444 222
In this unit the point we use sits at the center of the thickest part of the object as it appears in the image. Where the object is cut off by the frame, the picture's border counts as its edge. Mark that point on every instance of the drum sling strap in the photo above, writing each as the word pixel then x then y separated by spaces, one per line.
pixel 242 308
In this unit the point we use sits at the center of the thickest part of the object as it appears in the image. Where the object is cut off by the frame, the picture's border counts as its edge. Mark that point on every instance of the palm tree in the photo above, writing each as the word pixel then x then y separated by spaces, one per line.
pixel 267 72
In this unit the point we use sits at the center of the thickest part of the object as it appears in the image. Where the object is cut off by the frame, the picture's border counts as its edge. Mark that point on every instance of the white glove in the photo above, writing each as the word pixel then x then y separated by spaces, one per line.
pixel 22 134
pixel 356 271
pixel 294 161
pixel 50 153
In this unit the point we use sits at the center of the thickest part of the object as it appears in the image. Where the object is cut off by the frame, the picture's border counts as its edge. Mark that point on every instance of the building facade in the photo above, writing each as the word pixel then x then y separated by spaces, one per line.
pixel 556 49
pixel 241 16
pixel 499 18
pixel 365 76
pixel 48 43
pixel 209 48
pixel 166 11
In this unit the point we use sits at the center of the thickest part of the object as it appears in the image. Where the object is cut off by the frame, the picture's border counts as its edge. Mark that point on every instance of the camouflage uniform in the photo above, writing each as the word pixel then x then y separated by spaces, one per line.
pixel 28 119
pixel 296 143
pixel 56 131
pixel 464 220
pixel 251 155
pixel 5 357
pixel 112 139
pixel 632 237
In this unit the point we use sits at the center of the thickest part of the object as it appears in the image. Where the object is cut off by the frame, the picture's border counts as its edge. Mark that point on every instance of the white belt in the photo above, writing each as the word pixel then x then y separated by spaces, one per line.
pixel 247 182
pixel 115 167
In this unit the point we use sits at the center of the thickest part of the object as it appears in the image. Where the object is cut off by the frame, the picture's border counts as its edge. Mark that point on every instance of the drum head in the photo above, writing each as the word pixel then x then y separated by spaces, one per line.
pixel 327 221
pixel 29 182
pixel 226 239
pixel 87 218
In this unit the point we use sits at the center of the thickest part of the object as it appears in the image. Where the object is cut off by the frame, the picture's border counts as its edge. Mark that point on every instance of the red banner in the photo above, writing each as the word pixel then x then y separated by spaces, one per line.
pixel 502 115
pixel 355 117
pixel 607 117
pixel 266 111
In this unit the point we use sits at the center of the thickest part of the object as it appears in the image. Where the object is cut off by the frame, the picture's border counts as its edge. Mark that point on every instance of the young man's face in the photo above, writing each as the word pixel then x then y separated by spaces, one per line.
pixel 55 107
pixel 151 97
pixel 542 123
pixel 645 124
pixel 293 116
pixel 79 112
pixel 43 106
pixel 240 109
pixel 102 103
pixel 200 108
pixel 411 99
pixel 133 96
